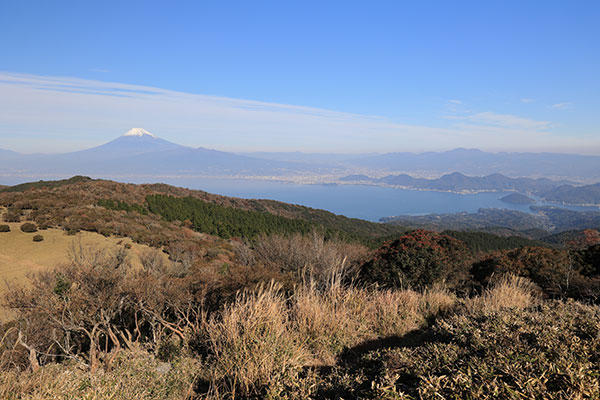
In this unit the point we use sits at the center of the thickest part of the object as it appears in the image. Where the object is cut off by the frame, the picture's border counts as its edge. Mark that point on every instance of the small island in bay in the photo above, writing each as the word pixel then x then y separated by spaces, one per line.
pixel 517 198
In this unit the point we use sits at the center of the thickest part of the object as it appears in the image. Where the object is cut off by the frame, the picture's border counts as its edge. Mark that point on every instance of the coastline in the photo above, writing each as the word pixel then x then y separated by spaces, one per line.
pixel 327 180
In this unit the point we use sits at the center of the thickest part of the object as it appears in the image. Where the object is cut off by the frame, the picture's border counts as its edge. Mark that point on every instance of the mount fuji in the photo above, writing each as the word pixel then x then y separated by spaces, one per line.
pixel 135 141
pixel 140 153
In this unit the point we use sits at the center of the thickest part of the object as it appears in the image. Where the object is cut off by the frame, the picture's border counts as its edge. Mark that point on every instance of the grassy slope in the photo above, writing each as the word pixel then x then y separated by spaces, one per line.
pixel 20 255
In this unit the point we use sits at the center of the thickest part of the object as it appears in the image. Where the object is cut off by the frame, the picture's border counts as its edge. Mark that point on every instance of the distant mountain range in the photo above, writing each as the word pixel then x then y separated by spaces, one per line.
pixel 546 189
pixel 477 162
pixel 138 152
pixel 568 194
pixel 466 161
pixel 457 182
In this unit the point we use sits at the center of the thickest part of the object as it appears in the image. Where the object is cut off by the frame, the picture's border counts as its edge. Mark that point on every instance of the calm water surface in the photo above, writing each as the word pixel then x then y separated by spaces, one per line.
pixel 357 201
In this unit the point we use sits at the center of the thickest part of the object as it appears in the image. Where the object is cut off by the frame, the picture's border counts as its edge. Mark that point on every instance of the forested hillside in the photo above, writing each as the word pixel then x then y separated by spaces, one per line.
pixel 588 194
pixel 548 219
pixel 50 203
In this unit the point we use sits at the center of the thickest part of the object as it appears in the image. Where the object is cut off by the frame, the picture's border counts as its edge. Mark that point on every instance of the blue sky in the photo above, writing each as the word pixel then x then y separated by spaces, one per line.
pixel 302 75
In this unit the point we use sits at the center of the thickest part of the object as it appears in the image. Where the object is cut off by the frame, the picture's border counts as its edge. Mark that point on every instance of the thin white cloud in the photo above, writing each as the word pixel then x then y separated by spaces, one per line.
pixel 455 101
pixel 504 120
pixel 527 100
pixel 562 106
pixel 50 114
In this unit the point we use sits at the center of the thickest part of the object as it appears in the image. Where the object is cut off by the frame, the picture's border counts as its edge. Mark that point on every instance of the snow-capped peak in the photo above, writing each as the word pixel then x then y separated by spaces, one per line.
pixel 138 132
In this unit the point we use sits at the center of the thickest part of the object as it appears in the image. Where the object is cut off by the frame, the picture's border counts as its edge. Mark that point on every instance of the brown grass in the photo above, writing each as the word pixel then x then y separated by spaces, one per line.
pixel 136 375
pixel 252 344
pixel 270 344
pixel 20 256
pixel 509 291
pixel 261 343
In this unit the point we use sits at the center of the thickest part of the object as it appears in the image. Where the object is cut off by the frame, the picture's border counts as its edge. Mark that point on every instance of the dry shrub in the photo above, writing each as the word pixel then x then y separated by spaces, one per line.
pixel 28 227
pixel 253 349
pixel 260 343
pixel 329 321
pixel 135 375
pixel 343 317
pixel 244 255
pixel 13 215
pixel 72 312
pixel 311 258
pixel 437 300
pixel 98 304
pixel 509 291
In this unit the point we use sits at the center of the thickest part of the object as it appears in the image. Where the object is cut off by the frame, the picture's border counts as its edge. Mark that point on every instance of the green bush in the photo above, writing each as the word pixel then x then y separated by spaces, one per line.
pixel 28 227
pixel 419 259
pixel 4 228
pixel 38 238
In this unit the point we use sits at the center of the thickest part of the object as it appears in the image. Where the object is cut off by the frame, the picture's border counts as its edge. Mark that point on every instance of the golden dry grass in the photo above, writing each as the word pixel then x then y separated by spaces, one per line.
pixel 509 291
pixel 136 375
pixel 265 339
pixel 20 255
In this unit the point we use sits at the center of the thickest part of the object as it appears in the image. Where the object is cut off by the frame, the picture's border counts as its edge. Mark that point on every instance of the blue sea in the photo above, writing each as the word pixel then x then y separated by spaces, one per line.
pixel 356 201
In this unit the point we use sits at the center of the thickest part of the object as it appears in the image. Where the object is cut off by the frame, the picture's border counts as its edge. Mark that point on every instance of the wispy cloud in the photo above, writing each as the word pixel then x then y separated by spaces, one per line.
pixel 454 101
pixel 527 100
pixel 40 113
pixel 562 106
pixel 504 120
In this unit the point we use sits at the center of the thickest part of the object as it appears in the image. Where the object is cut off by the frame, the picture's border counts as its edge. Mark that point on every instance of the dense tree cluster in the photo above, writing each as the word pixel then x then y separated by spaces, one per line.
pixel 558 272
pixel 222 221
pixel 227 222
pixel 419 259
pixel 485 242
pixel 122 206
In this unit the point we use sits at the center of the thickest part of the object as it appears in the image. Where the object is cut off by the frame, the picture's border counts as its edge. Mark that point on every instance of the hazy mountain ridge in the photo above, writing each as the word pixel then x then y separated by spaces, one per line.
pixel 568 194
pixel 144 154
pixel 477 162
pixel 459 182
pixel 140 153
pixel 549 190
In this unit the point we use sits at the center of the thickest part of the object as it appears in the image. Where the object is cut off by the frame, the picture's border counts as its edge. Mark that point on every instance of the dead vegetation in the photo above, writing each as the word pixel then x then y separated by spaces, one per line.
pixel 103 325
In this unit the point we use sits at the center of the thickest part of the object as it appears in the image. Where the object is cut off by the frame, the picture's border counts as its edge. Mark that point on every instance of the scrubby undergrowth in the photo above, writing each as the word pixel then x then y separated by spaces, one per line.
pixel 317 341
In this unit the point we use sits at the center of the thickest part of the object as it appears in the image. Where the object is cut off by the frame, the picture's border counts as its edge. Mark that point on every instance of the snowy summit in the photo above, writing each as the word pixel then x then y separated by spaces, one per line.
pixel 138 132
